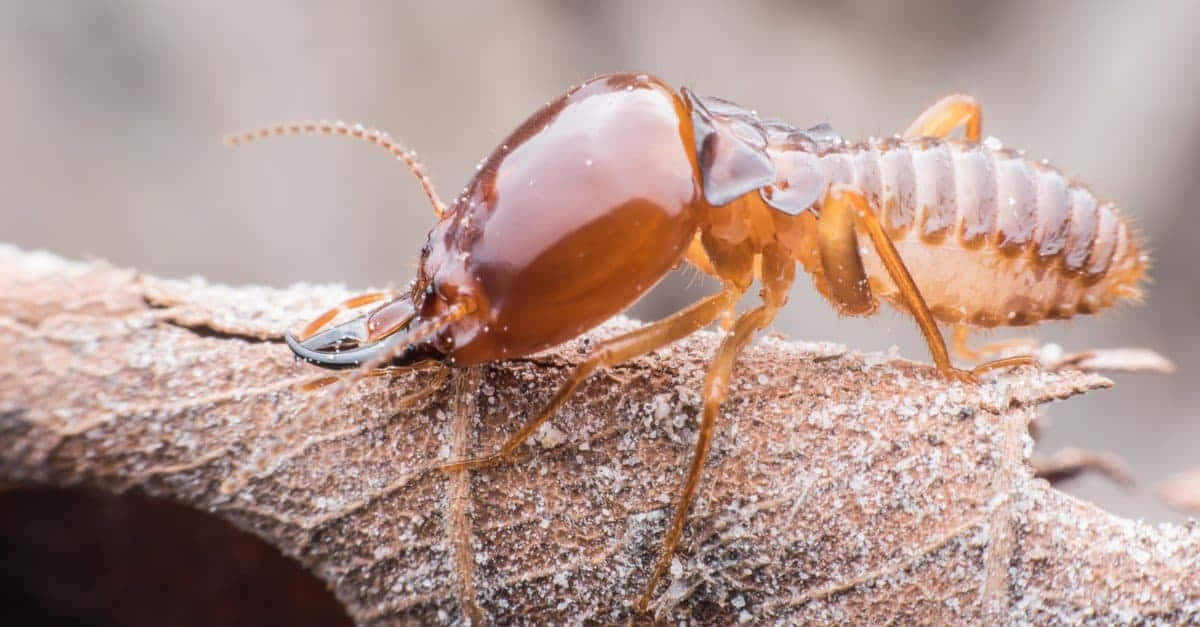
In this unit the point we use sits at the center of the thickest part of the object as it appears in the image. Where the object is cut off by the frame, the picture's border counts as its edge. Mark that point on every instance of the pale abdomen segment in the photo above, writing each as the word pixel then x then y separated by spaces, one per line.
pixel 990 237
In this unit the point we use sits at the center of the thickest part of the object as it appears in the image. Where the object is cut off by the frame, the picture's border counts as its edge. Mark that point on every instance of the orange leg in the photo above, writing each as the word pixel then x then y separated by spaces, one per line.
pixel 388 371
pixel 947 114
pixel 716 387
pixel 699 258
pixel 837 205
pixel 607 353
pixel 958 341
pixel 351 303
pixel 775 271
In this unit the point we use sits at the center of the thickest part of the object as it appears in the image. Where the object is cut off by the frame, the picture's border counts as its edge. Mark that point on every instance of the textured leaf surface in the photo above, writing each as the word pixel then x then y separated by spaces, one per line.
pixel 841 486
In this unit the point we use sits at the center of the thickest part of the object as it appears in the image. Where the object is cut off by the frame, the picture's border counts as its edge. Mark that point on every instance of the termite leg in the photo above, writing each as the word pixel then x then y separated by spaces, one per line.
pixel 608 353
pixel 697 256
pixel 384 371
pixel 1007 362
pixel 777 272
pixel 352 303
pixel 841 209
pixel 962 348
pixel 945 115
pixel 840 202
pixel 435 384
pixel 959 342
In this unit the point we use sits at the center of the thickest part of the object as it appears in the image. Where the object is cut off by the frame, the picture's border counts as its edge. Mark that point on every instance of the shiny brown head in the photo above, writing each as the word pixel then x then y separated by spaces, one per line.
pixel 580 211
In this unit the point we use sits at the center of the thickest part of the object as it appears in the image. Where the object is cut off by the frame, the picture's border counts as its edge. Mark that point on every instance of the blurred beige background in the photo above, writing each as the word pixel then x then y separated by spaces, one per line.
pixel 110 115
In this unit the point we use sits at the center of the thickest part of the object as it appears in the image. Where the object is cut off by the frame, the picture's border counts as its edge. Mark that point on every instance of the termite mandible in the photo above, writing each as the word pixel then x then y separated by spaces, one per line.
pixel 595 197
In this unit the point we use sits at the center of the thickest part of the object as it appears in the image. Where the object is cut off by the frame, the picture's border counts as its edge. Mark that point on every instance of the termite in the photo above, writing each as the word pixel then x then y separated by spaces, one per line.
pixel 600 193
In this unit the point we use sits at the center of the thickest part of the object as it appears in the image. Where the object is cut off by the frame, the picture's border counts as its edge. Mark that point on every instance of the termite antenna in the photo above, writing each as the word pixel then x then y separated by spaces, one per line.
pixel 356 131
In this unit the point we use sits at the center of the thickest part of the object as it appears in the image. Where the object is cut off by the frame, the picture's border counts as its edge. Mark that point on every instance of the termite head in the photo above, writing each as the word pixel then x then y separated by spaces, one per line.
pixel 574 216
pixel 738 153
pixel 425 322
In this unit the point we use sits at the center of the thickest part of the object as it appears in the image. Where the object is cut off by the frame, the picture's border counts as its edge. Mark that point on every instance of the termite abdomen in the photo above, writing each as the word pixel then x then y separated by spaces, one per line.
pixel 991 237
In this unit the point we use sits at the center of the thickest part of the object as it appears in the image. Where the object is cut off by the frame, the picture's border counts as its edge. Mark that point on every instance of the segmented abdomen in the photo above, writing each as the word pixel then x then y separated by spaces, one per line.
pixel 990 237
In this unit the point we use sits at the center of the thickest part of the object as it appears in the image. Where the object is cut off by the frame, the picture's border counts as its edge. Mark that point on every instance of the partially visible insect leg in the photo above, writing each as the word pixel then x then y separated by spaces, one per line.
pixel 945 115
pixel 607 353
pixel 697 256
pixel 350 303
pixel 958 342
pixel 716 388
pixel 840 203
pixel 435 384
pixel 960 345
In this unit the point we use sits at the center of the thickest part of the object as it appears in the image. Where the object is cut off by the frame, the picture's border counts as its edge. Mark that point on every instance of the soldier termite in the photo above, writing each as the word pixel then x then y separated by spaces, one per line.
pixel 601 192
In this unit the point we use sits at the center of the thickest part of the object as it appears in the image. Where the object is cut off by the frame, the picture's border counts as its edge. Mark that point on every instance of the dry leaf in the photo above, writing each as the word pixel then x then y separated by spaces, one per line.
pixel 841 487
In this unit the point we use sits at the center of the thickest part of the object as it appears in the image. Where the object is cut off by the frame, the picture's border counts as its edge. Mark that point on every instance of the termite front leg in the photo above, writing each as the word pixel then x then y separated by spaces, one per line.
pixel 841 210
pixel 716 387
pixel 945 115
pixel 608 353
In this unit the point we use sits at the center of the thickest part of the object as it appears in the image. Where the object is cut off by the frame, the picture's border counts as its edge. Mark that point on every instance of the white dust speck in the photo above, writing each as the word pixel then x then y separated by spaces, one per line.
pixel 550 436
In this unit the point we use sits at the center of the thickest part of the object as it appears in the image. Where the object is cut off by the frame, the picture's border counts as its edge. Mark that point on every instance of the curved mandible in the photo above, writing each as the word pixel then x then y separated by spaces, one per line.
pixel 322 348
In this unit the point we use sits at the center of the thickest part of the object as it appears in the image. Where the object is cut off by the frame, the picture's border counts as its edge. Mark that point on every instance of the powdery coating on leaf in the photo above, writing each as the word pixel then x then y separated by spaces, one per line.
pixel 841 486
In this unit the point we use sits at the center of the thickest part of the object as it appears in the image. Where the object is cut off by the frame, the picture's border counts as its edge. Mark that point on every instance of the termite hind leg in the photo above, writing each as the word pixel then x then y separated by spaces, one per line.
pixel 960 345
pixel 1007 362
pixel 963 350
pixel 607 353
pixel 844 207
pixel 947 114
pixel 716 387
pixel 841 201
